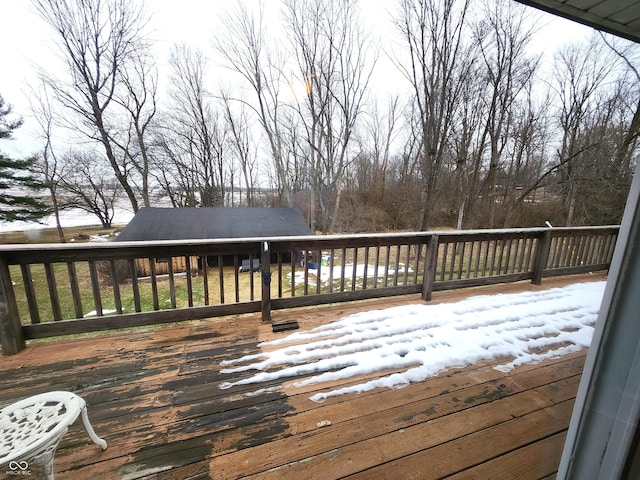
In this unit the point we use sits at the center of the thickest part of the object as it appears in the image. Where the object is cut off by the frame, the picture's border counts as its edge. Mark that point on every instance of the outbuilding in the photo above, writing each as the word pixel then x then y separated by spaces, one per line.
pixel 153 223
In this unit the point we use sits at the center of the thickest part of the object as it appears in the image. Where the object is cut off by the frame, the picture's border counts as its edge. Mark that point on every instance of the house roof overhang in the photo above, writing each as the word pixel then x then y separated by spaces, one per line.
pixel 619 17
pixel 602 439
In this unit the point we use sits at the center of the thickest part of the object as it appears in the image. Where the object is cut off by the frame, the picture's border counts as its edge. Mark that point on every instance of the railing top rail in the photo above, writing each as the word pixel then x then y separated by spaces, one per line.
pixel 251 243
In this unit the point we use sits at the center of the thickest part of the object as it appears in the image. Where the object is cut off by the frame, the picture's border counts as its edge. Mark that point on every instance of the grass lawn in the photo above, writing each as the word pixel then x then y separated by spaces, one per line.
pixel 400 269
pixel 50 235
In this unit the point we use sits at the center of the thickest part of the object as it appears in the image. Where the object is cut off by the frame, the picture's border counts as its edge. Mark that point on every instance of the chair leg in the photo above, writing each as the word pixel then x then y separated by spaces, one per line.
pixel 44 460
pixel 92 434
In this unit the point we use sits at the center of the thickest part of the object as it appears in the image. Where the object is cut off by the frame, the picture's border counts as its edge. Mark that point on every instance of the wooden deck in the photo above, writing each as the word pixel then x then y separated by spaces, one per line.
pixel 153 395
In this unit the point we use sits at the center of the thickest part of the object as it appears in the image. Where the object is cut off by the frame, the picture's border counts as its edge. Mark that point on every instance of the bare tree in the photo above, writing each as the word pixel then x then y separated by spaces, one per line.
pixel 195 130
pixel 580 72
pixel 376 139
pixel 437 66
pixel 47 163
pixel 503 35
pixel 527 153
pixel 469 143
pixel 369 199
pixel 336 61
pixel 139 79
pixel 240 141
pixel 87 180
pixel 97 39
pixel 631 59
pixel 242 43
pixel 172 175
pixel 600 182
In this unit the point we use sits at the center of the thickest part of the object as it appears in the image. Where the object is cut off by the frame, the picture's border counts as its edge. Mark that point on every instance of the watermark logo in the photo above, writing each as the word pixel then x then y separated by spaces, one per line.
pixel 18 468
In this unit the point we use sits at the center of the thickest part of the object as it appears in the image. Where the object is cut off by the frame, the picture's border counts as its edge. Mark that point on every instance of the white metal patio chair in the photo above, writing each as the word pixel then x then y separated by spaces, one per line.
pixel 31 429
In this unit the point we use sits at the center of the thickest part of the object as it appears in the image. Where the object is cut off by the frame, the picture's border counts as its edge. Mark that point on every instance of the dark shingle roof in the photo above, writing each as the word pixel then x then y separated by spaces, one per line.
pixel 209 223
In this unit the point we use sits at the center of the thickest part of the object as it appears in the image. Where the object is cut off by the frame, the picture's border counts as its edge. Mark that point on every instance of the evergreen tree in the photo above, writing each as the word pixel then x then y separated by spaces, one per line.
pixel 16 178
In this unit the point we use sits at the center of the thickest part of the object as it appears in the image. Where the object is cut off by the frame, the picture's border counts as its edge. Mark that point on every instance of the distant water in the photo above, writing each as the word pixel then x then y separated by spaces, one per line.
pixel 68 218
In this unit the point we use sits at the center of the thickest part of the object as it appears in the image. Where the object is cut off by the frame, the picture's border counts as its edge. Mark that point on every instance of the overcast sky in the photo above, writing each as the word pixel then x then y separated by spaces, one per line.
pixel 27 43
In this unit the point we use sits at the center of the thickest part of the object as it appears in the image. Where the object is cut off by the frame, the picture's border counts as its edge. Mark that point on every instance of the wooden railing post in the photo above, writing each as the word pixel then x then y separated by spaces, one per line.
pixel 541 256
pixel 430 265
pixel 11 336
pixel 265 268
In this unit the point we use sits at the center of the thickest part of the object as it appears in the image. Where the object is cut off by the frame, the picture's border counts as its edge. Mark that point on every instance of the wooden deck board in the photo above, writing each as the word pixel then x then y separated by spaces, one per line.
pixel 365 441
pixel 154 395
pixel 518 463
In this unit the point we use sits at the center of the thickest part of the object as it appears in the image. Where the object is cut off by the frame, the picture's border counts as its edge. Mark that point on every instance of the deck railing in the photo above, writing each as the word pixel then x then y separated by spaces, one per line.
pixel 59 289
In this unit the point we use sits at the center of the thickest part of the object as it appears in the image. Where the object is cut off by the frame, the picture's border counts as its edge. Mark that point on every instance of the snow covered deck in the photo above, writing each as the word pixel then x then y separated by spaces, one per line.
pixel 155 395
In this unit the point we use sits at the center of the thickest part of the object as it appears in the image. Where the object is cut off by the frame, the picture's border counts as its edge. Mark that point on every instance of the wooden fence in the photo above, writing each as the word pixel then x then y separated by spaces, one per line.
pixel 59 289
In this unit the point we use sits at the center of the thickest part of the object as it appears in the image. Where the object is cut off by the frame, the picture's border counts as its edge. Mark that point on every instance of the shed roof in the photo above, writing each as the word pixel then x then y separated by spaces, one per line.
pixel 152 223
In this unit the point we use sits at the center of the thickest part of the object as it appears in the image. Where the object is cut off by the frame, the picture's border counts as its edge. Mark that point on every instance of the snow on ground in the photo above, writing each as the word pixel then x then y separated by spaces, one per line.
pixel 68 218
pixel 424 340
pixel 335 272
pixel 94 313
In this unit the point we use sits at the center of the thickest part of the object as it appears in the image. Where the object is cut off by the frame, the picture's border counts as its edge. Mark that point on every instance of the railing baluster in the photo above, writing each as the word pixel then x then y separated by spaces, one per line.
pixel 396 273
pixel 567 252
pixel 172 284
pixel 366 268
pixel 485 263
pixel 494 252
pixel 187 264
pixel 279 257
pixel 461 261
pixel 236 277
pixel 293 275
pixel 354 276
pixel 251 282
pixel 32 300
pixel 560 250
pixel 416 266
pixel 331 257
pixel 508 259
pixel 265 273
pixel 95 288
pixel 470 259
pixel 590 249
pixel 386 266
pixel 407 261
pixel 521 249
pixel 135 286
pixel 604 248
pixel 478 257
pixel 452 264
pixel 115 284
pixel 583 250
pixel 75 289
pixel 343 266
pixel 154 283
pixel 527 265
pixel 602 253
pixel 318 270
pixel 611 247
pixel 53 292
pixel 443 270
pixel 204 265
pixel 306 274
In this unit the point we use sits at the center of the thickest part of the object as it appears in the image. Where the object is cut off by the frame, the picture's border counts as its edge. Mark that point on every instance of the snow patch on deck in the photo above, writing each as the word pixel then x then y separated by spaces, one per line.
pixel 424 340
